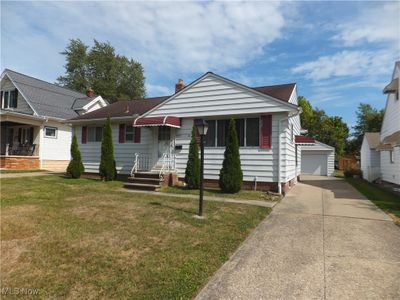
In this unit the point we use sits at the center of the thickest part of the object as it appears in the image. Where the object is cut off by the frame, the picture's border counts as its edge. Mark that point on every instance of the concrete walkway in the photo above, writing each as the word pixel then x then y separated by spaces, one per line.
pixel 27 174
pixel 324 240
pixel 208 198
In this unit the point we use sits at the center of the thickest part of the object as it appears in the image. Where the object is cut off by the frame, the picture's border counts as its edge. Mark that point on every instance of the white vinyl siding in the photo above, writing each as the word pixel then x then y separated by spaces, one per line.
pixel 255 162
pixel 370 161
pixel 22 105
pixel 124 152
pixel 212 96
pixel 391 120
pixel 391 170
pixel 56 148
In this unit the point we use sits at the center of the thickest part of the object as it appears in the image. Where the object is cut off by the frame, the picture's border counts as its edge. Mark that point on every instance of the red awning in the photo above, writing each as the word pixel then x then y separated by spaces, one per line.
pixel 158 121
pixel 301 139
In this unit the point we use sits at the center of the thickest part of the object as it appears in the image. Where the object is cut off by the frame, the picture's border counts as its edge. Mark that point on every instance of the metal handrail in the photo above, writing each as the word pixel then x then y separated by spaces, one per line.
pixel 163 166
pixel 135 165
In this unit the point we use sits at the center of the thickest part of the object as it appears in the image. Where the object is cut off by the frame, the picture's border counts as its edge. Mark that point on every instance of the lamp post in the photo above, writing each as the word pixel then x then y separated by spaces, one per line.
pixel 202 128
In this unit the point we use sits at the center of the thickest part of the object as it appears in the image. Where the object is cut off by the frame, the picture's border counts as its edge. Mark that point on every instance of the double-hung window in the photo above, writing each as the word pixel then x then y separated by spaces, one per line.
pixel 248 131
pixel 95 134
pixel 129 133
pixel 9 99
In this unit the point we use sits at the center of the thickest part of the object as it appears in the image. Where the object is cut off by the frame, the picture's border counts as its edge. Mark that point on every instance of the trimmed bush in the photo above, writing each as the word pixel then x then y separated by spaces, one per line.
pixel 107 168
pixel 231 175
pixel 192 173
pixel 75 166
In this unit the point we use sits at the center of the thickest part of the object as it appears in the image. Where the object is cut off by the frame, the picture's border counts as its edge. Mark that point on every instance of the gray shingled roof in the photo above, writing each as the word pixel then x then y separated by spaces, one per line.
pixel 48 99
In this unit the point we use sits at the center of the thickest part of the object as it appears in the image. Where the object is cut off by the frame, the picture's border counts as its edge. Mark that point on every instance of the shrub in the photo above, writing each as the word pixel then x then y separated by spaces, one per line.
pixel 352 173
pixel 107 168
pixel 75 166
pixel 192 173
pixel 231 175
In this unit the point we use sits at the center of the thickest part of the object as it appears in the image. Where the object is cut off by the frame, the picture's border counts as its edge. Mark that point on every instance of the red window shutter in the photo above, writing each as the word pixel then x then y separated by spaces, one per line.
pixel 122 133
pixel 266 132
pixel 84 134
pixel 137 135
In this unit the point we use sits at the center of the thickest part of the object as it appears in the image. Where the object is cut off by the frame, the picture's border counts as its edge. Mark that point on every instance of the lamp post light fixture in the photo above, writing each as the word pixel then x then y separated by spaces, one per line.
pixel 202 128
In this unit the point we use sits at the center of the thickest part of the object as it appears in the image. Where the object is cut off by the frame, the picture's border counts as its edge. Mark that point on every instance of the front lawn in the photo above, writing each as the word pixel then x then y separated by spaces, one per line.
pixel 384 199
pixel 85 239
pixel 243 194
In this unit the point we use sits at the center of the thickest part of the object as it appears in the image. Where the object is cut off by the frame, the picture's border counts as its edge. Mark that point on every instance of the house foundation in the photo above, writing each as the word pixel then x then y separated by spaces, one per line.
pixel 14 162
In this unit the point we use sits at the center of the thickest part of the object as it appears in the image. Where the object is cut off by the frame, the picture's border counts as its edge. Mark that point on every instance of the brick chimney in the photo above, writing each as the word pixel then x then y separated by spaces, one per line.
pixel 89 92
pixel 179 85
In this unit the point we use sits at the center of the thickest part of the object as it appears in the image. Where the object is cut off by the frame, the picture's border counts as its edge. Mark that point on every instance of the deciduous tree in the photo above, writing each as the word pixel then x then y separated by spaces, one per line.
pixel 114 77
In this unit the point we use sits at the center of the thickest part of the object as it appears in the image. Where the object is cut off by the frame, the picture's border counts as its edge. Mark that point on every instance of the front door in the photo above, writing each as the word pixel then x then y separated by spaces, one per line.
pixel 164 138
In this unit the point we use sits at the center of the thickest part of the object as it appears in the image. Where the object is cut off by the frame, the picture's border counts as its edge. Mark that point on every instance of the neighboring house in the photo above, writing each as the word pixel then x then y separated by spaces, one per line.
pixel 370 156
pixel 154 134
pixel 33 113
pixel 316 158
pixel 390 132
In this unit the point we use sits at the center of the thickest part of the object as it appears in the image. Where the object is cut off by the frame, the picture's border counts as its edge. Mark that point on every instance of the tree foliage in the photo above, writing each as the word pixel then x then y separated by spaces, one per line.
pixel 114 77
pixel 192 173
pixel 107 168
pixel 231 175
pixel 75 166
pixel 331 130
pixel 369 119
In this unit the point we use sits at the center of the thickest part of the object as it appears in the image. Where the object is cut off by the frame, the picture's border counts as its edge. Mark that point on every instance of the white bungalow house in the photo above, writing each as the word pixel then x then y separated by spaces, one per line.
pixel 390 132
pixel 370 156
pixel 33 112
pixel 153 134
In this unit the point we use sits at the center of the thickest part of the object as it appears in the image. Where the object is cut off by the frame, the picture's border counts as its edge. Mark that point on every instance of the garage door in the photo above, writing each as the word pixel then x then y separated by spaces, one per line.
pixel 315 164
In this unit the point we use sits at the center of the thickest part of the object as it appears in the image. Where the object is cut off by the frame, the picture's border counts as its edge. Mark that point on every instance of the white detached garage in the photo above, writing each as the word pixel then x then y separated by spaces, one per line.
pixel 317 159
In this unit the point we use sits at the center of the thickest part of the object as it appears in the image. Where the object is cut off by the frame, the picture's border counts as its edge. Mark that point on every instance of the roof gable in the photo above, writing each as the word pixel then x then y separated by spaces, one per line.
pixel 214 95
pixel 372 139
pixel 46 99
pixel 121 109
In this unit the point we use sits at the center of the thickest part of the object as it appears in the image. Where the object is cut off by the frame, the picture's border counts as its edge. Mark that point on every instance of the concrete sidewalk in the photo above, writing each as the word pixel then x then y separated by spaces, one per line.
pixel 27 174
pixel 208 198
pixel 324 240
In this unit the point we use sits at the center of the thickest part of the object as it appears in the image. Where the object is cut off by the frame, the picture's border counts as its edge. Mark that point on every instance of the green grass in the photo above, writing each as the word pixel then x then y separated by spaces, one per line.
pixel 83 238
pixel 243 194
pixel 384 199
pixel 20 171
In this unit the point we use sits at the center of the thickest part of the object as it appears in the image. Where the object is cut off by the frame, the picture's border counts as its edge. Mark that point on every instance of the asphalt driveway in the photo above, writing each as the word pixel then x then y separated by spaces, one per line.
pixel 323 241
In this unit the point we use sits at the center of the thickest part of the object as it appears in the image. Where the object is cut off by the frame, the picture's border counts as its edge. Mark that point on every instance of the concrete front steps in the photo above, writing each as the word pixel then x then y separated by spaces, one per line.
pixel 144 181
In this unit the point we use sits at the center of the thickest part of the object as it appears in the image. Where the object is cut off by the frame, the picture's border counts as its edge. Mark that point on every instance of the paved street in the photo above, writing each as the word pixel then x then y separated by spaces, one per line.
pixel 323 241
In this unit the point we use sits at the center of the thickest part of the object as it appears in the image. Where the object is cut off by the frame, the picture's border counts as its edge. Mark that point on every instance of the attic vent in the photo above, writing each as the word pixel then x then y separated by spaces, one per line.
pixel 127 109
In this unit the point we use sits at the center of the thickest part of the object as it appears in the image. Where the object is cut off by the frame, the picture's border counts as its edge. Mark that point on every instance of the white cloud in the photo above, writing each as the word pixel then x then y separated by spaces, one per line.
pixel 348 63
pixel 381 23
pixel 164 36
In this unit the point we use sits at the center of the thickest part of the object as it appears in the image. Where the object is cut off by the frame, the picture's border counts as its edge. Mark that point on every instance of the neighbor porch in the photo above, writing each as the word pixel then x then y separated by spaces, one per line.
pixel 19 144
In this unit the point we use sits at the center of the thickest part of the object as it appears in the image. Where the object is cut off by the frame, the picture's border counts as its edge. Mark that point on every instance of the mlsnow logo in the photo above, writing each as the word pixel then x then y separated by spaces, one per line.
pixel 19 291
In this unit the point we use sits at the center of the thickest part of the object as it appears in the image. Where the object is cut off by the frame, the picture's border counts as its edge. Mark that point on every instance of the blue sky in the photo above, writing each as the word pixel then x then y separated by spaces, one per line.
pixel 340 53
